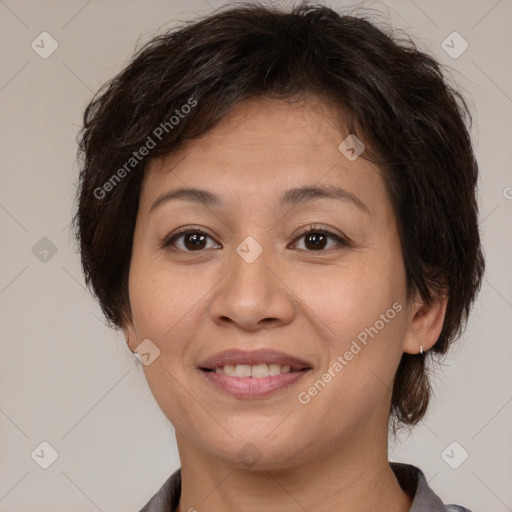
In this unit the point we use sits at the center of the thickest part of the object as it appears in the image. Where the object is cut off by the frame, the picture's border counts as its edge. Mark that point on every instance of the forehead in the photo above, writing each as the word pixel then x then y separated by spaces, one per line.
pixel 264 144
pixel 307 122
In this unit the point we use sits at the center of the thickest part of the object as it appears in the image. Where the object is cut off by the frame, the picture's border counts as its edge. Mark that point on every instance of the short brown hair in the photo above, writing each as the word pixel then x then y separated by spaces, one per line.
pixel 394 97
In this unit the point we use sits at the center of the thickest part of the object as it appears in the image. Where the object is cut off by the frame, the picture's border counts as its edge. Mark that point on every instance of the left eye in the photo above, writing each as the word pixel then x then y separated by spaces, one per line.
pixel 317 239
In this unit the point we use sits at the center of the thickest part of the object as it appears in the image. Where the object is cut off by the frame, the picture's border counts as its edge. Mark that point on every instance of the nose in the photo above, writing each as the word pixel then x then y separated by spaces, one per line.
pixel 253 295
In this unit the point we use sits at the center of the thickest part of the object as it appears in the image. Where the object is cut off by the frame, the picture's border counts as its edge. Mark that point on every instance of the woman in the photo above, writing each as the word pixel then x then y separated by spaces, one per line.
pixel 278 209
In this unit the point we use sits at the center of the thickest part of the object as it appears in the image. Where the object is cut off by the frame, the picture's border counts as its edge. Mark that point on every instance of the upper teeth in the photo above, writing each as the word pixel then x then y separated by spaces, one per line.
pixel 257 370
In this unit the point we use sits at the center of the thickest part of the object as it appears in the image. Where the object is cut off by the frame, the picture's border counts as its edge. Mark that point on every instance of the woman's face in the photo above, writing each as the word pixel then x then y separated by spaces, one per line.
pixel 247 277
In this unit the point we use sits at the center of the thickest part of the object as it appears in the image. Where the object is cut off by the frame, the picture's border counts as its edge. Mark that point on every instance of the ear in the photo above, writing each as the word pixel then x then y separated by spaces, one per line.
pixel 424 324
pixel 130 336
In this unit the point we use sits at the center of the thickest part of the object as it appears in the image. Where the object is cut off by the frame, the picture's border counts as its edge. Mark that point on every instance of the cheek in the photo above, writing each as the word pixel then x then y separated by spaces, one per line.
pixel 359 309
pixel 164 304
pixel 352 297
pixel 162 299
pixel 361 321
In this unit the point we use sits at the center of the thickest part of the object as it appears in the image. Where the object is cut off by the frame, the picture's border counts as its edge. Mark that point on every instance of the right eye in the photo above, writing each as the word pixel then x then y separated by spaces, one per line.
pixel 193 240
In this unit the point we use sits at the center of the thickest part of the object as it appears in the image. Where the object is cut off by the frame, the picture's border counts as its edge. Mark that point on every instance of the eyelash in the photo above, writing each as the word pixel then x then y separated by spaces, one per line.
pixel 306 230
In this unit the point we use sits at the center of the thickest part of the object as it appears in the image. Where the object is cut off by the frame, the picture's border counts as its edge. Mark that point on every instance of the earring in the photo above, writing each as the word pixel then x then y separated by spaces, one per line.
pixel 421 350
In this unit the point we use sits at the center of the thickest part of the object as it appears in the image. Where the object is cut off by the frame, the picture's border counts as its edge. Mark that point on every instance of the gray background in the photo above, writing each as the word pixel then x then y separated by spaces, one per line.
pixel 68 380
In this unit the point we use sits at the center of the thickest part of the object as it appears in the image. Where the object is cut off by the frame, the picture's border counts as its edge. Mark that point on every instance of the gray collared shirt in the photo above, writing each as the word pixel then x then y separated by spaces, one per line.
pixel 411 479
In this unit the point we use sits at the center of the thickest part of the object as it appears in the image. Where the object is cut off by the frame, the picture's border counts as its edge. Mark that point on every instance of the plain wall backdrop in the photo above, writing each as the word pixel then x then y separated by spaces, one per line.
pixel 67 380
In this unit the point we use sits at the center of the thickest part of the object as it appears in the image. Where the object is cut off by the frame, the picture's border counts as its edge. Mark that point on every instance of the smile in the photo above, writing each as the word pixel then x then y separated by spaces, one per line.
pixel 247 385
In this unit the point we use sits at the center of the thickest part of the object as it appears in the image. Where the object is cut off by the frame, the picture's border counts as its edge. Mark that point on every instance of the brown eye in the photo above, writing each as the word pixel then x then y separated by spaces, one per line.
pixel 191 240
pixel 317 240
pixel 196 240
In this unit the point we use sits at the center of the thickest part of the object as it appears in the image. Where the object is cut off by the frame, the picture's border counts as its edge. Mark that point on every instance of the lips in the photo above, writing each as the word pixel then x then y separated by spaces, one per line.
pixel 251 358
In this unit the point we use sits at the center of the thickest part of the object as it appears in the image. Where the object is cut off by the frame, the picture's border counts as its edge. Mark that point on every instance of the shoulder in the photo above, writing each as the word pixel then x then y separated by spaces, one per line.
pixel 413 481
pixel 167 497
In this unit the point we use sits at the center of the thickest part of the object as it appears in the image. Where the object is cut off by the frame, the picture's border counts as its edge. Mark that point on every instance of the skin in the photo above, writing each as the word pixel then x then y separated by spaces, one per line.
pixel 327 455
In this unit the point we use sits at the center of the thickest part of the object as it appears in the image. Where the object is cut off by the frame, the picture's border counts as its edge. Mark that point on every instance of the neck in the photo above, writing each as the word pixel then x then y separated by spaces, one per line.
pixel 347 479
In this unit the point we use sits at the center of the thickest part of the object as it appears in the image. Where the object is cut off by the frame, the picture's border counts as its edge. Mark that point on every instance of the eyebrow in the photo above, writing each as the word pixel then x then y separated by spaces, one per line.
pixel 292 197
